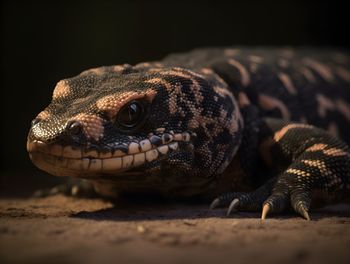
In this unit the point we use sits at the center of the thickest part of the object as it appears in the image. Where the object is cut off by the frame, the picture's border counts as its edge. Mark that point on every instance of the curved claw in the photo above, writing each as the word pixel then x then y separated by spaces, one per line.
pixel 214 204
pixel 38 194
pixel 47 192
pixel 303 211
pixel 233 206
pixel 265 211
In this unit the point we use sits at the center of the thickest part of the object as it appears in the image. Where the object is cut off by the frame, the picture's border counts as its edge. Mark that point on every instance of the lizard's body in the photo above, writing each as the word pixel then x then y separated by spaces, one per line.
pixel 200 123
pixel 306 85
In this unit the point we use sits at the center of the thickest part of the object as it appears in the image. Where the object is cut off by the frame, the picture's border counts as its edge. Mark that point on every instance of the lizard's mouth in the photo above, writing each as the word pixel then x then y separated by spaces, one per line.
pixel 123 159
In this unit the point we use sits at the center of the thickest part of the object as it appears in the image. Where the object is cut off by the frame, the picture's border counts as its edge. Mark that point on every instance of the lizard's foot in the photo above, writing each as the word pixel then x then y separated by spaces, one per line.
pixel 272 197
pixel 82 189
pixel 244 201
pixel 289 190
pixel 314 160
pixel 293 188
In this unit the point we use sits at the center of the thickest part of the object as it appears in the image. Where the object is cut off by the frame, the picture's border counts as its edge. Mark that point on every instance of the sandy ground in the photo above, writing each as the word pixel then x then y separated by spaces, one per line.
pixel 60 229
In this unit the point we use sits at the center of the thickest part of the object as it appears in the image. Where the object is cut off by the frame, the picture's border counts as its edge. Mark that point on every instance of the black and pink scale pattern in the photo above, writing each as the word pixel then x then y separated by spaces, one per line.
pixel 259 128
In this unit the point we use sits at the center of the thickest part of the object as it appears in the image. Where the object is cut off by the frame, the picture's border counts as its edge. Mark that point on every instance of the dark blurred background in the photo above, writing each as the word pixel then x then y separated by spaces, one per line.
pixel 45 41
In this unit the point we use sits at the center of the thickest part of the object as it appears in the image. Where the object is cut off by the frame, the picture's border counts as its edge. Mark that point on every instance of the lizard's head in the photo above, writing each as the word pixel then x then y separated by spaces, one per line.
pixel 119 122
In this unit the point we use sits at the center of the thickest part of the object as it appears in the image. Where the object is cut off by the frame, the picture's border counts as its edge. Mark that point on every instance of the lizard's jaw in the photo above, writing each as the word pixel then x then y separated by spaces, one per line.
pixel 123 159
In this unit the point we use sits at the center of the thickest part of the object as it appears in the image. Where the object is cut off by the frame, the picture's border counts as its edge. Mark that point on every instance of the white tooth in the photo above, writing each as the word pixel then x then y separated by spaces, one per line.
pixel 139 159
pixel 112 164
pixel 127 161
pixel 151 155
pixel 133 148
pixel 145 145
pixel 95 165
pixel 186 136
pixel 118 153
pixel 85 164
pixel 163 149
pixel 105 155
pixel 178 137
pixel 161 129
pixel 74 164
pixel 56 150
pixel 91 154
pixel 173 146
pixel 69 152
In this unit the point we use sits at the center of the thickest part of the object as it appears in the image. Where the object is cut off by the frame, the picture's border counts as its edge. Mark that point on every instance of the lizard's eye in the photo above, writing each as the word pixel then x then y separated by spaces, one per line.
pixel 130 115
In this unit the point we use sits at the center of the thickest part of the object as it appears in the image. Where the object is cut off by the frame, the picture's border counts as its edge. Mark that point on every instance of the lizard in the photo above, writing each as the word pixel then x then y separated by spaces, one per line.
pixel 252 129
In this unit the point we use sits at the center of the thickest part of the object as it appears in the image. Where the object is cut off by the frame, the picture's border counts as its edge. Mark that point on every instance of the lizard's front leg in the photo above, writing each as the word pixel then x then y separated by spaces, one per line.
pixel 314 159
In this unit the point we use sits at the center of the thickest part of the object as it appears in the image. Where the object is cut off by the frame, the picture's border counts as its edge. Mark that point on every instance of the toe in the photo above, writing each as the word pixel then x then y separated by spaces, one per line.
pixel 276 203
pixel 214 204
pixel 300 200
pixel 265 211
pixel 224 200
pixel 233 206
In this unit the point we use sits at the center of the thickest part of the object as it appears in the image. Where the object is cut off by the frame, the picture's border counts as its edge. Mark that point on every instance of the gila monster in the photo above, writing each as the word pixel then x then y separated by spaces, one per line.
pixel 254 129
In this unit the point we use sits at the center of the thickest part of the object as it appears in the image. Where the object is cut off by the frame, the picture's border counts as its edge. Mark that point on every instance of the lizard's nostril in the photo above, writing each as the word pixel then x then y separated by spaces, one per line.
pixel 74 127
pixel 35 121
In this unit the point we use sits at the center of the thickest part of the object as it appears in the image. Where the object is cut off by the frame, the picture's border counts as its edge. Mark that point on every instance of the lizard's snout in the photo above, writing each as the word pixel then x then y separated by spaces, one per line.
pixel 47 133
pixel 47 139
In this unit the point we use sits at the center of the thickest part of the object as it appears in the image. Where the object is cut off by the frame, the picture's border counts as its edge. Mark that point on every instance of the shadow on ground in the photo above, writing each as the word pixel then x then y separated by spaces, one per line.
pixel 62 229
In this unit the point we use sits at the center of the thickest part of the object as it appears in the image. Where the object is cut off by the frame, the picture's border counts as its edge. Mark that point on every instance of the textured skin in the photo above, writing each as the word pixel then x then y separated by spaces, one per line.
pixel 215 122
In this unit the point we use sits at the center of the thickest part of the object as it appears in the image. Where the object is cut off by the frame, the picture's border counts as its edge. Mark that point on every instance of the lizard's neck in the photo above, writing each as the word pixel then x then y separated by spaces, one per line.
pixel 242 173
